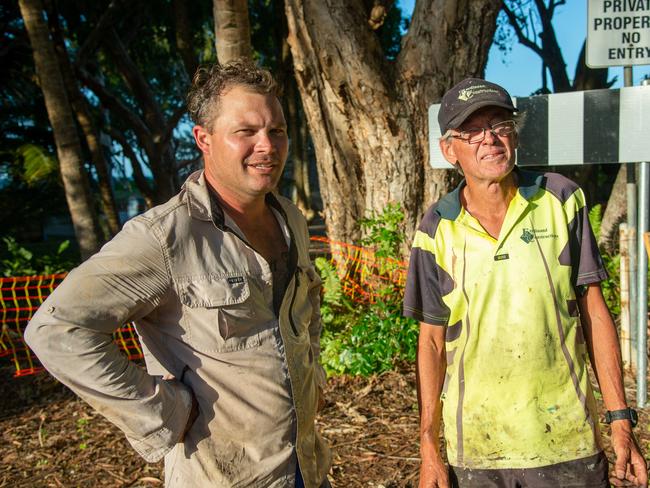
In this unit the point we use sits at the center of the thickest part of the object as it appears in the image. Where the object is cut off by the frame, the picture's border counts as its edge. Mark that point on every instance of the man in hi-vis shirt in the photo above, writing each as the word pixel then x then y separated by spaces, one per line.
pixel 504 278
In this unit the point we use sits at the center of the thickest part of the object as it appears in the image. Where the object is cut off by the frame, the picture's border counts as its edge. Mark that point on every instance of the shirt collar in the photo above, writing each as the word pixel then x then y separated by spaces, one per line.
pixel 203 204
pixel 529 183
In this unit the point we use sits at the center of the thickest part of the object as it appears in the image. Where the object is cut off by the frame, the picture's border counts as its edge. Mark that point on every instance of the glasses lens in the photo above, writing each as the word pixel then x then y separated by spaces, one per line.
pixel 504 128
pixel 472 135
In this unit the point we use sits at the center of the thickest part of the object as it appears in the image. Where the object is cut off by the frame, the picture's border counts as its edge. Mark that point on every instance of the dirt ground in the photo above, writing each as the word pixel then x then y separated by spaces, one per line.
pixel 52 439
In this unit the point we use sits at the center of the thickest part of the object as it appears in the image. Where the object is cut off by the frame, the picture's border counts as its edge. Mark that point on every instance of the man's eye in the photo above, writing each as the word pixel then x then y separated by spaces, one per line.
pixel 471 132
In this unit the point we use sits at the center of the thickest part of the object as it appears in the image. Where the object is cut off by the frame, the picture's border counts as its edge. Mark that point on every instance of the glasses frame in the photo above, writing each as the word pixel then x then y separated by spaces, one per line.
pixel 493 128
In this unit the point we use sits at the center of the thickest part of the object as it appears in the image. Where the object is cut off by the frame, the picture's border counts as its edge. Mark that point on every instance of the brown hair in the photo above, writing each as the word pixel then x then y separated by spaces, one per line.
pixel 210 82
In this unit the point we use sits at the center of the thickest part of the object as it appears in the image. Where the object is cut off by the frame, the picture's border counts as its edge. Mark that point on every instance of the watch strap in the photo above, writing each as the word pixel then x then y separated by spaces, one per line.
pixel 623 414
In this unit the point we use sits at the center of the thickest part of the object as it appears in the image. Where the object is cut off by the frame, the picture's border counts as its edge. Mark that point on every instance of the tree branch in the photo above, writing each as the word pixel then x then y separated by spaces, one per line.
pixel 138 175
pixel 92 42
pixel 111 101
pixel 171 124
pixel 551 7
pixel 521 37
pixel 134 79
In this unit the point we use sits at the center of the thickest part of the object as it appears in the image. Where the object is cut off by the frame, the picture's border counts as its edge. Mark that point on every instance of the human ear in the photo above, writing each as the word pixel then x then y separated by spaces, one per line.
pixel 447 150
pixel 202 138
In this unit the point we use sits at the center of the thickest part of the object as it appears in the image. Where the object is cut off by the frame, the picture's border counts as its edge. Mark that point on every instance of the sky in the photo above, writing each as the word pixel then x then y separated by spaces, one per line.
pixel 519 71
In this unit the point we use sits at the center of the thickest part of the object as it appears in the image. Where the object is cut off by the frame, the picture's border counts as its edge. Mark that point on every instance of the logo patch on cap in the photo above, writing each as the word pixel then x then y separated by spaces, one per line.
pixel 468 93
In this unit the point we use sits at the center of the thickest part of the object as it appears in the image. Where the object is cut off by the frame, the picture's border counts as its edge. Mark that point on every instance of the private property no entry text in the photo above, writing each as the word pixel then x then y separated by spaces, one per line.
pixel 618 6
pixel 619 32
pixel 622 23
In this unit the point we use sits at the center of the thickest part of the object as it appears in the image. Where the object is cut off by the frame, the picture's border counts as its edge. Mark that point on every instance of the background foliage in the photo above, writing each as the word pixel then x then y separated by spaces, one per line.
pixel 363 338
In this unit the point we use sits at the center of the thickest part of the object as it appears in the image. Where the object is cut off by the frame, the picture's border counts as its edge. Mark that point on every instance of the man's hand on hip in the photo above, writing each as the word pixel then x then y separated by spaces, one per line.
pixel 630 468
pixel 434 474
pixel 194 410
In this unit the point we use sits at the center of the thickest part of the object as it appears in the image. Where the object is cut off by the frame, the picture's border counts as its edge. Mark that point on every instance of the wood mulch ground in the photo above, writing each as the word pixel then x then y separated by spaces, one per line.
pixel 52 439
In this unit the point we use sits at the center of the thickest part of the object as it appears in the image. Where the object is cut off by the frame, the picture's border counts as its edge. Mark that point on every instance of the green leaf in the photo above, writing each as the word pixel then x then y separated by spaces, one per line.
pixel 63 246
pixel 38 164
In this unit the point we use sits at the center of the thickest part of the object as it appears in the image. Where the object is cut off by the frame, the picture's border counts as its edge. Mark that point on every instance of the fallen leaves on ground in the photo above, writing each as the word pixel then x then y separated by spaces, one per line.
pixel 52 439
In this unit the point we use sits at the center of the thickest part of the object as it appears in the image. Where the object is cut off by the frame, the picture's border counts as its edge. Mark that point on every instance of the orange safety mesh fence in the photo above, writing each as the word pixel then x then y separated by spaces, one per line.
pixel 20 297
pixel 363 275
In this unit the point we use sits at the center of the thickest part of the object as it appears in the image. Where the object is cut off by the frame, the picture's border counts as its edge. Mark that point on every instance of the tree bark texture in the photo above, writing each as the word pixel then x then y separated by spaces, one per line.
pixel 183 37
pixel 615 212
pixel 63 127
pixel 232 30
pixel 84 118
pixel 367 115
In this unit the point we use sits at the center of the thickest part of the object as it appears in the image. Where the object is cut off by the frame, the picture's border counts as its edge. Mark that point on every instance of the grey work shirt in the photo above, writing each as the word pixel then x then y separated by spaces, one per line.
pixel 202 301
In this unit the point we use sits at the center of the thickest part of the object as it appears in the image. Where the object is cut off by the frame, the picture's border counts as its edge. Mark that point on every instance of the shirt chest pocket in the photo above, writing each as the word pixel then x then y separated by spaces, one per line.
pixel 219 313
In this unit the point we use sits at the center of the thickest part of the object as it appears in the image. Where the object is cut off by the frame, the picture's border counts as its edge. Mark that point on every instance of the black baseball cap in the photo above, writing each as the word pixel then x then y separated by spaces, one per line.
pixel 467 97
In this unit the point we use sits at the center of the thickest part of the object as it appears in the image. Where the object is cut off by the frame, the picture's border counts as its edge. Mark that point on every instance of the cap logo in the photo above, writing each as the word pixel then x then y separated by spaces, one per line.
pixel 467 93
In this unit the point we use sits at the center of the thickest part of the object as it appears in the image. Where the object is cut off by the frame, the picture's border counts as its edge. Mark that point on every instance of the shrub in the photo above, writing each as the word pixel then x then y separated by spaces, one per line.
pixel 611 286
pixel 20 261
pixel 371 336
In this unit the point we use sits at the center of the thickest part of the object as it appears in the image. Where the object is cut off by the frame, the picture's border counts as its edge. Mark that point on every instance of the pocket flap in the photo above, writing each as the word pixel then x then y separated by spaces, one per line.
pixel 214 291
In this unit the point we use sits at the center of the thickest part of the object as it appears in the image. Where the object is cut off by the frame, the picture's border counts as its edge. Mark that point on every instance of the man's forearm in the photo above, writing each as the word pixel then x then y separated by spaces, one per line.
pixel 71 335
pixel 151 412
pixel 431 367
pixel 604 349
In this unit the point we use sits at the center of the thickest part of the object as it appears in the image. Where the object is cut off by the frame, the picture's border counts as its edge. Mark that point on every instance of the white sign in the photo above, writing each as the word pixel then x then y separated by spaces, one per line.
pixel 585 127
pixel 618 33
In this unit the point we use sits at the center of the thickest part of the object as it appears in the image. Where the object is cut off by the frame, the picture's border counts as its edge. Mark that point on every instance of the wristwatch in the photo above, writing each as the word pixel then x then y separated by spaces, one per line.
pixel 624 414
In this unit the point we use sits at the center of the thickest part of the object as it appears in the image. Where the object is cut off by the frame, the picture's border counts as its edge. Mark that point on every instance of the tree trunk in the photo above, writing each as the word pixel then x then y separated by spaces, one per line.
pixel 367 115
pixel 84 119
pixel 63 127
pixel 295 121
pixel 587 78
pixel 183 36
pixel 232 30
pixel 615 212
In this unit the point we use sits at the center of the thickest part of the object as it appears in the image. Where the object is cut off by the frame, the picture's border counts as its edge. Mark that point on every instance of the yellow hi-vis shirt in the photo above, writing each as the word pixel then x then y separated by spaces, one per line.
pixel 516 392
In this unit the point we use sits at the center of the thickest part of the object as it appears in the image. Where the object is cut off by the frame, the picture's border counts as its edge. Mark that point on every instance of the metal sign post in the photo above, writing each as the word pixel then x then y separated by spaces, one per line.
pixel 633 249
pixel 642 285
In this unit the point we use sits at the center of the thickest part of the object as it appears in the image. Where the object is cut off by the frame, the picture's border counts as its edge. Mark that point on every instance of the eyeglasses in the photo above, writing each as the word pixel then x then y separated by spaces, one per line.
pixel 477 134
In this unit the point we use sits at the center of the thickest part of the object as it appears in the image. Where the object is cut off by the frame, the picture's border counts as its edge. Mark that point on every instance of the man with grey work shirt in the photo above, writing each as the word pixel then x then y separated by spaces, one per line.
pixel 219 283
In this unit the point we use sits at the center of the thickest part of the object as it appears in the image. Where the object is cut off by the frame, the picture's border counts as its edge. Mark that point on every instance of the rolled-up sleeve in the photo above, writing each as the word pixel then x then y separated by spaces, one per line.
pixel 71 335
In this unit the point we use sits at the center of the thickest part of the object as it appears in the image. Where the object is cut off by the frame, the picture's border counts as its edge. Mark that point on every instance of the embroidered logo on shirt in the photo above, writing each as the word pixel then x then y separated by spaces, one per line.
pixel 527 236
pixel 233 280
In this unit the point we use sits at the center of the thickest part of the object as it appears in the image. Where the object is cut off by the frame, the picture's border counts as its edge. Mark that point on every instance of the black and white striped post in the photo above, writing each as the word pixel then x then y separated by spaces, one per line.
pixel 588 127
pixel 563 129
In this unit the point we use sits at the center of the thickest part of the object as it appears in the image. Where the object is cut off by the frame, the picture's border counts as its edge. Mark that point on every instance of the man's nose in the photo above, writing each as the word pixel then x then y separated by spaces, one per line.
pixel 490 137
pixel 264 142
